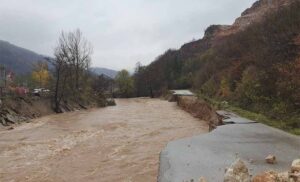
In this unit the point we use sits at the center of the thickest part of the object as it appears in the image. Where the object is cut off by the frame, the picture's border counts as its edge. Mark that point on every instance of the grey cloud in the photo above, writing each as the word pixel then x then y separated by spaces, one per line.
pixel 122 32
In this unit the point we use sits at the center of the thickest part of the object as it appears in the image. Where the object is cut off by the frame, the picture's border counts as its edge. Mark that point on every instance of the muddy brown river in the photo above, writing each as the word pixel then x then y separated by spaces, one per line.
pixel 120 143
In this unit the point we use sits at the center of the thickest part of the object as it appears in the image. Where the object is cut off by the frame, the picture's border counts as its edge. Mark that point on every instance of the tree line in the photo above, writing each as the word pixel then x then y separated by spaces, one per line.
pixel 256 69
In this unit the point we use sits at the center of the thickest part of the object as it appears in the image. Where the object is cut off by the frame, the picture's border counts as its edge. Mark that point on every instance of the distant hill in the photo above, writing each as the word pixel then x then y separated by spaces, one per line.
pixel 21 61
pixel 17 59
pixel 105 71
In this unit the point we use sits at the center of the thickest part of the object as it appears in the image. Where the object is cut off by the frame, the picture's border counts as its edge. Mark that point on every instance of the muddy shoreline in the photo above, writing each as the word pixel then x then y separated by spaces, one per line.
pixel 15 111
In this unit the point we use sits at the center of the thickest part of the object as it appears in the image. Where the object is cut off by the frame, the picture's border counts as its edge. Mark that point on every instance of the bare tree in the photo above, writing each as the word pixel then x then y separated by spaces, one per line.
pixel 80 50
pixel 72 60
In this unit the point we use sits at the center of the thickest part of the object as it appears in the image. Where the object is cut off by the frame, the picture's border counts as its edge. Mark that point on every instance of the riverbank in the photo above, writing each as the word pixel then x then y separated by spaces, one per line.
pixel 17 110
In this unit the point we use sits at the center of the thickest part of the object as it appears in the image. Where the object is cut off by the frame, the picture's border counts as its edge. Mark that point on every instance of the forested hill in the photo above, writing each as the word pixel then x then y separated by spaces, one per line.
pixel 17 59
pixel 253 63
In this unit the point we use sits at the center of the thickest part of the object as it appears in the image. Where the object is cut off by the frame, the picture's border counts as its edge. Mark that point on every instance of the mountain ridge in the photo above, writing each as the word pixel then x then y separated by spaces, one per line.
pixel 105 71
pixel 18 59
pixel 21 60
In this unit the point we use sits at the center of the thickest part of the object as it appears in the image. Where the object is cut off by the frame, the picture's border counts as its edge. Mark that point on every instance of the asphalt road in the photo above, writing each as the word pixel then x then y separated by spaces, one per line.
pixel 210 154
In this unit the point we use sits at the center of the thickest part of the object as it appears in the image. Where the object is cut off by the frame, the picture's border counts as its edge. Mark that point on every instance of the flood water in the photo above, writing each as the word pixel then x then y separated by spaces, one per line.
pixel 120 143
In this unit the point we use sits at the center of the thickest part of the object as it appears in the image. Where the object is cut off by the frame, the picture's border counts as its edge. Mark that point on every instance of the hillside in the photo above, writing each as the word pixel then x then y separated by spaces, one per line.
pixel 21 61
pixel 253 63
pixel 17 59
pixel 104 71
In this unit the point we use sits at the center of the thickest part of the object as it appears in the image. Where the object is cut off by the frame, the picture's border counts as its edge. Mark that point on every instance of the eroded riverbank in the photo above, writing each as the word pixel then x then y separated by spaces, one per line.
pixel 119 143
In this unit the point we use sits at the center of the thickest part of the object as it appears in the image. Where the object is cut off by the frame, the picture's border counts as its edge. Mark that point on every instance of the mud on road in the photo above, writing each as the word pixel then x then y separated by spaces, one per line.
pixel 120 143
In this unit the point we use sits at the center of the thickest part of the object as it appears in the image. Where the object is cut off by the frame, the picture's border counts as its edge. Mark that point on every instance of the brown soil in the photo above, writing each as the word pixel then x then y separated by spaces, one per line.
pixel 17 110
pixel 200 109
pixel 30 107
pixel 120 143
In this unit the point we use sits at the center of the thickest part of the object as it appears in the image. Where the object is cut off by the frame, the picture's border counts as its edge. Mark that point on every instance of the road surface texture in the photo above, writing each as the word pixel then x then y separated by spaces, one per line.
pixel 120 143
pixel 210 154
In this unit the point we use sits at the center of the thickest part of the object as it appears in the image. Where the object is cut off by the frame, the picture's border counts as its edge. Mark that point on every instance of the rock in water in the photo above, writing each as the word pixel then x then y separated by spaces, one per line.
pixel 271 159
pixel 238 172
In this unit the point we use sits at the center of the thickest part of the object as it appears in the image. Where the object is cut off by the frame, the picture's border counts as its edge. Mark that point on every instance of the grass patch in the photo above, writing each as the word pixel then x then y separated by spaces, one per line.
pixel 280 124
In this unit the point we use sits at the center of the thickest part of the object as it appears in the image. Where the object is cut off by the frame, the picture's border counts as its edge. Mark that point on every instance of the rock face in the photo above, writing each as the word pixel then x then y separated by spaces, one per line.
pixel 253 14
pixel 238 172
pixel 216 33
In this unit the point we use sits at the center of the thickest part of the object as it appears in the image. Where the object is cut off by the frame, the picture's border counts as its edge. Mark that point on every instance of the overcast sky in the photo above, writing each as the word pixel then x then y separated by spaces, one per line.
pixel 122 32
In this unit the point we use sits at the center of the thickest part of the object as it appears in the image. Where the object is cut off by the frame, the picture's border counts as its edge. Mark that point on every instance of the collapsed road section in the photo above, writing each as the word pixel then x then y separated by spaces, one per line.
pixel 209 155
